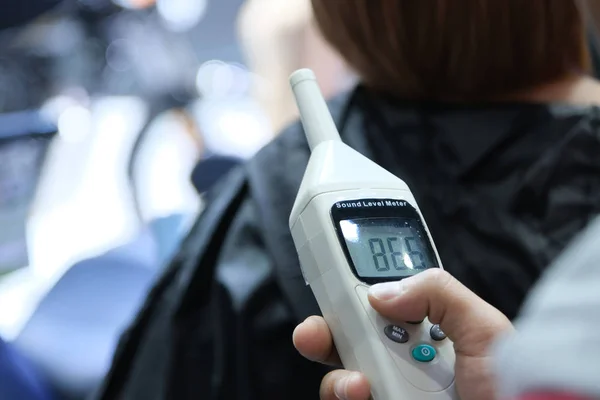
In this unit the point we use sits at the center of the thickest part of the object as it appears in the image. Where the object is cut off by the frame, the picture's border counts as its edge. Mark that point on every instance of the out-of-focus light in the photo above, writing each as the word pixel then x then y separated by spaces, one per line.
pixel 181 15
pixel 214 79
pixel 134 4
pixel 242 79
pixel 219 79
pixel 237 128
pixel 75 124
pixel 56 106
pixel 118 55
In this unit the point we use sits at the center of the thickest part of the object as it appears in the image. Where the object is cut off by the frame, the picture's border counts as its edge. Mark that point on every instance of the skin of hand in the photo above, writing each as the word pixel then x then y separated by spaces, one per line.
pixel 471 323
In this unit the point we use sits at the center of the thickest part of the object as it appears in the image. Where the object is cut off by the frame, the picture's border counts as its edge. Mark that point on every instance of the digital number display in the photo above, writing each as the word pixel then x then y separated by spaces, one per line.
pixel 387 247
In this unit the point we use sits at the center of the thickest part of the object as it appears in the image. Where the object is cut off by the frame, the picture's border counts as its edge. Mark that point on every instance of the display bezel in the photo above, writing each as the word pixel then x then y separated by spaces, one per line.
pixel 375 208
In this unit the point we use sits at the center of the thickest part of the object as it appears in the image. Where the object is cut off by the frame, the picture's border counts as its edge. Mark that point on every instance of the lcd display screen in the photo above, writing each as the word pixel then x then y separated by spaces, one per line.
pixel 388 247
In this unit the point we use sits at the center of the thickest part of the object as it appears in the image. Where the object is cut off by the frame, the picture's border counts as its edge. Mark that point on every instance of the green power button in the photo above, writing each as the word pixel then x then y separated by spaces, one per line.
pixel 424 353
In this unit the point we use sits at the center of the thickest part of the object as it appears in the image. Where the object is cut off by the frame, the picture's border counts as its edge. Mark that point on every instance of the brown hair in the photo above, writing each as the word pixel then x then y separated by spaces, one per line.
pixel 457 49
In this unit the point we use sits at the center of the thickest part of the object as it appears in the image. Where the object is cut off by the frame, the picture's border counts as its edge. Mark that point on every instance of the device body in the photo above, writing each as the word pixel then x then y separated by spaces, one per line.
pixel 355 224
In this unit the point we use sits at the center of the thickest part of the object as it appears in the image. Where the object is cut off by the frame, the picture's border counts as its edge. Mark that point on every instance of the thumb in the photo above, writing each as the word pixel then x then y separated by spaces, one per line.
pixel 467 320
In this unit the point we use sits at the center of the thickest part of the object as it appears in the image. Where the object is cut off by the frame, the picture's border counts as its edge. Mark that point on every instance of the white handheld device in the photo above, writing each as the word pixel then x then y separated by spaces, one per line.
pixel 355 224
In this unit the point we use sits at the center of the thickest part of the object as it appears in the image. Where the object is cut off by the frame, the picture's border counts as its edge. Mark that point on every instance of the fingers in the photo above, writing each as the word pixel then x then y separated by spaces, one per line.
pixel 468 321
pixel 313 340
pixel 345 385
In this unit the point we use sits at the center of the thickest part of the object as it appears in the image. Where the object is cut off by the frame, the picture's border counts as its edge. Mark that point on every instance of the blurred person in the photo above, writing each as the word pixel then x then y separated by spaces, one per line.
pixel 540 360
pixel 279 37
pixel 490 114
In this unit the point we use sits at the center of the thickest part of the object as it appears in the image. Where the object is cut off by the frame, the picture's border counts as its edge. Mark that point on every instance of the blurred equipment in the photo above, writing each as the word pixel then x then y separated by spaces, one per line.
pixel 72 335
pixel 116 195
pixel 19 380
pixel 24 141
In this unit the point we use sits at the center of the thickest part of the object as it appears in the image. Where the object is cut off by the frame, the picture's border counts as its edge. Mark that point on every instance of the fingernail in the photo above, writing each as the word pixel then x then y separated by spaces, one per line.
pixel 312 321
pixel 308 323
pixel 340 388
pixel 387 291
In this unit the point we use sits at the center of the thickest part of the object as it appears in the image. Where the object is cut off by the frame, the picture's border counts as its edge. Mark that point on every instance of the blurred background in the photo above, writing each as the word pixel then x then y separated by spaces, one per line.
pixel 115 117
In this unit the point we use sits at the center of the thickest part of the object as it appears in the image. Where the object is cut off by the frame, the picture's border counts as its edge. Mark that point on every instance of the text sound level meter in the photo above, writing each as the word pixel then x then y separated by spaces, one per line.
pixel 355 224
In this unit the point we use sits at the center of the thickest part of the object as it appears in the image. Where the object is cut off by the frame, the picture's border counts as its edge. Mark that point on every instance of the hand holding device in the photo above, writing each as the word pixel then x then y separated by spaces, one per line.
pixel 469 322
pixel 354 224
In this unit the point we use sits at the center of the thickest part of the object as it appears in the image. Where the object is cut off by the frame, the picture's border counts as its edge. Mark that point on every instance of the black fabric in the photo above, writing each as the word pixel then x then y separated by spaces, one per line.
pixel 211 170
pixel 594 46
pixel 503 188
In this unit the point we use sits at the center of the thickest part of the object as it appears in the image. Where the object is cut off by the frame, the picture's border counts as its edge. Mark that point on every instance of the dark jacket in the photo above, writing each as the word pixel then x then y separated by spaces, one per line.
pixel 503 188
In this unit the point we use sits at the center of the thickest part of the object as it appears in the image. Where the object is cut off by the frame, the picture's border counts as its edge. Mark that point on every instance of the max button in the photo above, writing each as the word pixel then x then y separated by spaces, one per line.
pixel 424 353
pixel 396 333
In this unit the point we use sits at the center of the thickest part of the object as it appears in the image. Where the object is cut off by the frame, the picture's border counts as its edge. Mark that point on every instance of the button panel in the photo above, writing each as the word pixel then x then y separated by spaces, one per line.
pixel 437 333
pixel 433 376
pixel 396 333
pixel 424 353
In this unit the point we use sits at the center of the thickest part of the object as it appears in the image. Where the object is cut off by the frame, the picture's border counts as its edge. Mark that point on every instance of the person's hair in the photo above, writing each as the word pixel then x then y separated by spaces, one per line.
pixel 456 49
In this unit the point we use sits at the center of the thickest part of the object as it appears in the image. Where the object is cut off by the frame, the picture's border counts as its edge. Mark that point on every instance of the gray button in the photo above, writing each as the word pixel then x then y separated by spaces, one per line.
pixel 437 333
pixel 396 333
